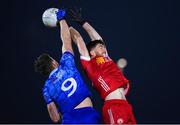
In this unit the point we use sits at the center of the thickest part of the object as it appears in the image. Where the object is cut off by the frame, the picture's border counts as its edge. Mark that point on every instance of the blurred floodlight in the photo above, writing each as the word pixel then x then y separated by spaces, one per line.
pixel 122 63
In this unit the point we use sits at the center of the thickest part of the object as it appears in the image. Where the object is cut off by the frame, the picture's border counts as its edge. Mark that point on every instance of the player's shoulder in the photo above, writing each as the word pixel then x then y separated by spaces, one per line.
pixel 46 83
pixel 67 56
pixel 45 86
pixel 68 53
pixel 51 77
pixel 85 58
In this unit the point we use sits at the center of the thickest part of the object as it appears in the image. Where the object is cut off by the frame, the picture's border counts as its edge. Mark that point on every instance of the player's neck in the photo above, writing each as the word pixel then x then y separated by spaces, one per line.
pixel 99 56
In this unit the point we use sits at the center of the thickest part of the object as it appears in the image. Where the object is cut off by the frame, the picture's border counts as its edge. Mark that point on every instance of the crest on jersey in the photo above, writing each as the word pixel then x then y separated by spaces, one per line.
pixel 100 60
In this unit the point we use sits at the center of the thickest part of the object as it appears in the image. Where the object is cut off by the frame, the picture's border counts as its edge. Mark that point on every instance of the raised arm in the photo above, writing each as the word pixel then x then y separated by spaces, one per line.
pixel 78 40
pixel 65 37
pixel 77 17
pixel 64 31
pixel 93 34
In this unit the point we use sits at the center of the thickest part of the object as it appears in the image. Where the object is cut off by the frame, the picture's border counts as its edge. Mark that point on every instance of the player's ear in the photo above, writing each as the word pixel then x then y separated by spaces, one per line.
pixel 92 53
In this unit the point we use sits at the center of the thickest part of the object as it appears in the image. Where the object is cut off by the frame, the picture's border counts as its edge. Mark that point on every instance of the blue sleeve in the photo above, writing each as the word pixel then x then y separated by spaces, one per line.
pixel 46 95
pixel 67 59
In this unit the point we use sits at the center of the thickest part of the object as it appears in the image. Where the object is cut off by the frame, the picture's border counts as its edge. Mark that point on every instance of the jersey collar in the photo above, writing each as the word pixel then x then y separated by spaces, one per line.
pixel 52 72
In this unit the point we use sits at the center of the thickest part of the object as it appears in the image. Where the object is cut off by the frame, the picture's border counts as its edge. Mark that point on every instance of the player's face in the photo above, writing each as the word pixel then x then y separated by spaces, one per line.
pixel 100 50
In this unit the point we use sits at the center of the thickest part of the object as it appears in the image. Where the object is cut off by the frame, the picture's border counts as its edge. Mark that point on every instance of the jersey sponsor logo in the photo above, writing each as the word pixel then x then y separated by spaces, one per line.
pixel 103 84
pixel 60 74
pixel 69 84
pixel 100 60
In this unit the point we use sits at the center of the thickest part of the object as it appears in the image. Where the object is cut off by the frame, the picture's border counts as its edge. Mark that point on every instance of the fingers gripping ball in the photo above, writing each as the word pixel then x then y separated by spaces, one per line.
pixel 51 17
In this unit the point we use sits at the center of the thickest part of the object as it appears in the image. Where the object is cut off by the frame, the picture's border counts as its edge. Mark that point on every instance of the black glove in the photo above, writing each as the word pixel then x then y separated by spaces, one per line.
pixel 76 15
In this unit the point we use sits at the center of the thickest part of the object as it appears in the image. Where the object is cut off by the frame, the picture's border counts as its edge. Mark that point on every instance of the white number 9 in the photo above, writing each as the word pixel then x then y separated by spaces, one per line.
pixel 72 85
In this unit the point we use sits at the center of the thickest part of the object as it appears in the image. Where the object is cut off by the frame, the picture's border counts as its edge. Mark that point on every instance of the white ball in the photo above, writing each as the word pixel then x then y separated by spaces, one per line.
pixel 49 17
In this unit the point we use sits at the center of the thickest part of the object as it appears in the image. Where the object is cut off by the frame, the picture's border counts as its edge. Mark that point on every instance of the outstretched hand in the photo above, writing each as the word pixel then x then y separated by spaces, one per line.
pixel 76 15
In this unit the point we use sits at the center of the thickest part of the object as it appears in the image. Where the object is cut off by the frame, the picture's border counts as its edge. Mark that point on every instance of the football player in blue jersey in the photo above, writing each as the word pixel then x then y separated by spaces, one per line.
pixel 65 92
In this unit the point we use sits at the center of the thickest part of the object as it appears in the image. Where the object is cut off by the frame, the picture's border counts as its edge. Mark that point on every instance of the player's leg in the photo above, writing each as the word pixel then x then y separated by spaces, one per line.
pixel 117 112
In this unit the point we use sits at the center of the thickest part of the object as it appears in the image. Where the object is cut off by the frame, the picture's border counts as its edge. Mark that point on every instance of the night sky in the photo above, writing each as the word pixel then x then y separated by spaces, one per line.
pixel 146 33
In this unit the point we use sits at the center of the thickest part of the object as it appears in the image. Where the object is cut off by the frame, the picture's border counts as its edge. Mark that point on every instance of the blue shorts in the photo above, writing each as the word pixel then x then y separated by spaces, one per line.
pixel 85 115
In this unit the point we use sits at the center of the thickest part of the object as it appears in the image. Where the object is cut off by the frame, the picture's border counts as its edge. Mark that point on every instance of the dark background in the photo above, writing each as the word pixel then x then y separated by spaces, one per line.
pixel 145 32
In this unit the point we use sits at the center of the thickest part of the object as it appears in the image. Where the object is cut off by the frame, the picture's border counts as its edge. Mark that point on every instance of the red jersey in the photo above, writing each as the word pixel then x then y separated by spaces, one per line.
pixel 104 74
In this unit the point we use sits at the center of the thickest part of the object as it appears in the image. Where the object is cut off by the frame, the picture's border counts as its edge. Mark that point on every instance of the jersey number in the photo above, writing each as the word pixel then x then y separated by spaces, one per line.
pixel 72 85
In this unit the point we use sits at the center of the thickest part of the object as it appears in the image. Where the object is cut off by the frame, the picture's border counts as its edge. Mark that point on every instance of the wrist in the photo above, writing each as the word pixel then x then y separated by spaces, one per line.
pixel 84 24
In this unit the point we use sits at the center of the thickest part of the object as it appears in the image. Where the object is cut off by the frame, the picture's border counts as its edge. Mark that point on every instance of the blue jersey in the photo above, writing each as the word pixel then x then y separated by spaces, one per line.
pixel 65 85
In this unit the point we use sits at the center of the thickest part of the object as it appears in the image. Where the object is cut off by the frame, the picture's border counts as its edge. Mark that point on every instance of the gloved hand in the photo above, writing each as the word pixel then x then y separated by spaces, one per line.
pixel 76 15
pixel 61 13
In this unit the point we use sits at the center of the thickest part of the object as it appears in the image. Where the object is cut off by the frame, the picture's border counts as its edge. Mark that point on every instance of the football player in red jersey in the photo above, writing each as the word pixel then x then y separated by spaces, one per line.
pixel 105 75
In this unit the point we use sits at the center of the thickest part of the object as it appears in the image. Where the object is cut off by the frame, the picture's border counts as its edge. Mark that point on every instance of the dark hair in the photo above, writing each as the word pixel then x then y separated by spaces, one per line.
pixel 93 44
pixel 43 64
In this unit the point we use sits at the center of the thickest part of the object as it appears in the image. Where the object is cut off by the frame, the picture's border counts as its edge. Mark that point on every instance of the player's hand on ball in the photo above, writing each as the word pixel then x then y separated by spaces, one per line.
pixel 52 16
pixel 60 14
